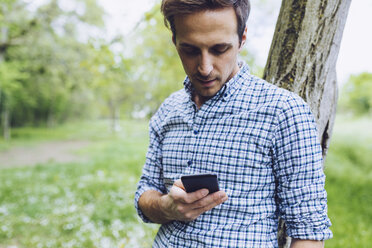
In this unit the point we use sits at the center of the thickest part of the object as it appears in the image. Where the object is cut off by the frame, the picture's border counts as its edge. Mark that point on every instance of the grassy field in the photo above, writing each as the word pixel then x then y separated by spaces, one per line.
pixel 76 205
pixel 90 204
pixel 349 183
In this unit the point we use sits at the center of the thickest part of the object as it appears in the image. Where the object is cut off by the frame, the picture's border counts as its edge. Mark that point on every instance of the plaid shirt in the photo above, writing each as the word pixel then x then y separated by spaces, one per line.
pixel 262 143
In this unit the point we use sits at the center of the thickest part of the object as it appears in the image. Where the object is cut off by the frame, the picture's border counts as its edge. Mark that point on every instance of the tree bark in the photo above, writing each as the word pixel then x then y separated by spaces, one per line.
pixel 303 57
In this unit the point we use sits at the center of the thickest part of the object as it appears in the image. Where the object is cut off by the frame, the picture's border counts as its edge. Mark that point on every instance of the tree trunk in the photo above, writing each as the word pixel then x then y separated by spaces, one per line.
pixel 5 119
pixel 51 119
pixel 303 57
pixel 115 116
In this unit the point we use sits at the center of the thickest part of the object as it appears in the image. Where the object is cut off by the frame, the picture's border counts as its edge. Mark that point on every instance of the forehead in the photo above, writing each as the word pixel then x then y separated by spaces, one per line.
pixel 206 27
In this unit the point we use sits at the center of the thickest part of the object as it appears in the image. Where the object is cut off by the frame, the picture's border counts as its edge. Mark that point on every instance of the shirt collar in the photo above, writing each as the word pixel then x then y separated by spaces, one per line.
pixel 228 88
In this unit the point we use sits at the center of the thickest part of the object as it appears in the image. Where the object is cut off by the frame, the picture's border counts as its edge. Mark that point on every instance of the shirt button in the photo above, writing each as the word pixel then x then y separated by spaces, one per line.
pixel 189 162
pixel 196 132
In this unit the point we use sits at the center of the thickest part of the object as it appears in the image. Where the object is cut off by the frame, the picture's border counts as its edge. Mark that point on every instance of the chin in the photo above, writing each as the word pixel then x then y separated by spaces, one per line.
pixel 208 94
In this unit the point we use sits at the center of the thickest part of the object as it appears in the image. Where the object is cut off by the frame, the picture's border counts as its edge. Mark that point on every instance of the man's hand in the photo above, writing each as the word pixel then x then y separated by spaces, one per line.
pixel 178 205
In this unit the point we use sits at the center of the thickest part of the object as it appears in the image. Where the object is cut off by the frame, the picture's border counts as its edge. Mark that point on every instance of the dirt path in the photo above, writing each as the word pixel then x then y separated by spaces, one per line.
pixel 57 151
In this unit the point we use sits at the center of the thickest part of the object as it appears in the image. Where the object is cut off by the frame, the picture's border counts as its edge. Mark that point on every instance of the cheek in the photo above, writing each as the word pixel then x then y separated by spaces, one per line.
pixel 226 63
pixel 188 64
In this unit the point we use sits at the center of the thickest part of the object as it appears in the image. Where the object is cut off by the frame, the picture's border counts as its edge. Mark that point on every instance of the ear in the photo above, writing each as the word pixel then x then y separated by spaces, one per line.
pixel 244 38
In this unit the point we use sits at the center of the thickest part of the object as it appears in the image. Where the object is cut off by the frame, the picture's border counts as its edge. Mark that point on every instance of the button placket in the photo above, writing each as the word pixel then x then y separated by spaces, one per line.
pixel 194 132
pixel 194 138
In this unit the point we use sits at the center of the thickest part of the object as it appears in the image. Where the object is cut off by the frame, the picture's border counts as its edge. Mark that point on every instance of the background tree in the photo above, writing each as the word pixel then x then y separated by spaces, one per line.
pixel 303 59
pixel 40 55
pixel 111 80
pixel 14 25
pixel 356 96
pixel 158 65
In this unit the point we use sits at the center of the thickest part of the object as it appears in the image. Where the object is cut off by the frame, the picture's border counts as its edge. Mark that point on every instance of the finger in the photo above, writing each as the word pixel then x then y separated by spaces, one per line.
pixel 195 213
pixel 210 201
pixel 213 204
pixel 196 196
pixel 189 197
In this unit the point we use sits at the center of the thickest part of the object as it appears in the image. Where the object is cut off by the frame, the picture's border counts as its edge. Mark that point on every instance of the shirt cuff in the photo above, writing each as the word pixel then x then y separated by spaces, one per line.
pixel 309 233
pixel 313 226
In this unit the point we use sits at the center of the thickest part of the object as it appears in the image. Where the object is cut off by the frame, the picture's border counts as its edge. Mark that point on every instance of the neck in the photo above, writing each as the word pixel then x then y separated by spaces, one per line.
pixel 199 100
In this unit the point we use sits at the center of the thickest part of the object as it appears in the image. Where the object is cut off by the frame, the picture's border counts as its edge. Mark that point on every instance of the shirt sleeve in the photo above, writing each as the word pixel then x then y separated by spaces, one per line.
pixel 152 176
pixel 298 169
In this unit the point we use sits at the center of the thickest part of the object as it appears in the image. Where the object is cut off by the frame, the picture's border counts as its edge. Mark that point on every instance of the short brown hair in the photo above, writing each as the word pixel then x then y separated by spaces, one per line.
pixel 171 8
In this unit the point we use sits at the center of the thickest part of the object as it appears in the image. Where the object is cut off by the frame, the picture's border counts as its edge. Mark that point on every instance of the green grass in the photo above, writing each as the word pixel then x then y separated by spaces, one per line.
pixel 29 136
pixel 349 183
pixel 77 205
pixel 90 204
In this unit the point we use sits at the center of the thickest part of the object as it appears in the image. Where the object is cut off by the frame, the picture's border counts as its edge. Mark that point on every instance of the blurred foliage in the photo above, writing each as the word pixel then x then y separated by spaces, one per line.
pixel 159 68
pixel 356 95
pixel 41 80
pixel 111 79
pixel 349 182
pixel 87 204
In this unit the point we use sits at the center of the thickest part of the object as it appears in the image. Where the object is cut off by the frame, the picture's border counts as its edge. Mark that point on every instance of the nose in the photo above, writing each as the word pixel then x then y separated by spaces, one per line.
pixel 205 66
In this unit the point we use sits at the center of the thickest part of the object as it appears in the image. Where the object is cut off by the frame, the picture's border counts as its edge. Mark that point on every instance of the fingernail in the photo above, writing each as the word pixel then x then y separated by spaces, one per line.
pixel 205 192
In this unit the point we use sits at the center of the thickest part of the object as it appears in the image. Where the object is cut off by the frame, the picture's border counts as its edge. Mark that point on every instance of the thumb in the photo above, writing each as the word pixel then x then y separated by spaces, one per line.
pixel 179 184
pixel 177 191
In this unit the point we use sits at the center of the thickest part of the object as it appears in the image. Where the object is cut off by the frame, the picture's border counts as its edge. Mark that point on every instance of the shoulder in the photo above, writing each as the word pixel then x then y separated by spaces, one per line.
pixel 169 107
pixel 273 105
pixel 258 93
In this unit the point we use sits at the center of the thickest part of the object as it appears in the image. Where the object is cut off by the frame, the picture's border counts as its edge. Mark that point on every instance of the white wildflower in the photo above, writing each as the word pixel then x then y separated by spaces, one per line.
pixel 4 210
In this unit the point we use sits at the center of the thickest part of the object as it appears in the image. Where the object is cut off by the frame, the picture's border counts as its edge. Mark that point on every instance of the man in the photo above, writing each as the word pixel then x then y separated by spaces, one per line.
pixel 259 139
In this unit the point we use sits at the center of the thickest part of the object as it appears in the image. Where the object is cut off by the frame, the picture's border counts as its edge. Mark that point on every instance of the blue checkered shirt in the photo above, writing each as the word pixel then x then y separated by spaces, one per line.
pixel 262 143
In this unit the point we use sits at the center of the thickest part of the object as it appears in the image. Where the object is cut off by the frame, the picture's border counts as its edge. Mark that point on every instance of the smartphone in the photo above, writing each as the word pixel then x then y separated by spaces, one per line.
pixel 200 181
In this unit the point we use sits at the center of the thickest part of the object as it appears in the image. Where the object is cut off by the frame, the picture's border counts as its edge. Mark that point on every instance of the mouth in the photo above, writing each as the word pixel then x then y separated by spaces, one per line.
pixel 207 83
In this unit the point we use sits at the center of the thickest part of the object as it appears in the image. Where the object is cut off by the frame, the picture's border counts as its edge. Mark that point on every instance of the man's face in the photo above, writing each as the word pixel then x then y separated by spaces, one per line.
pixel 208 45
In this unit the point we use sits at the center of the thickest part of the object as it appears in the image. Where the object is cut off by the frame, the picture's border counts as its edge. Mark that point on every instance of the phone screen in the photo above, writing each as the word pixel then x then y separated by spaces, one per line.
pixel 200 181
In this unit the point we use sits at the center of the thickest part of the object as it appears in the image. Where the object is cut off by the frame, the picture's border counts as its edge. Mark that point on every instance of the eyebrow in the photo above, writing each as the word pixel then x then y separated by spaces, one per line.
pixel 187 45
pixel 227 45
pixel 215 45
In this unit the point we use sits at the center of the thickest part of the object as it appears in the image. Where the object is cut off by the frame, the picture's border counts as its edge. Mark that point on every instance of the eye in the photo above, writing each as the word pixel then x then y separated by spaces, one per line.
pixel 220 49
pixel 190 50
